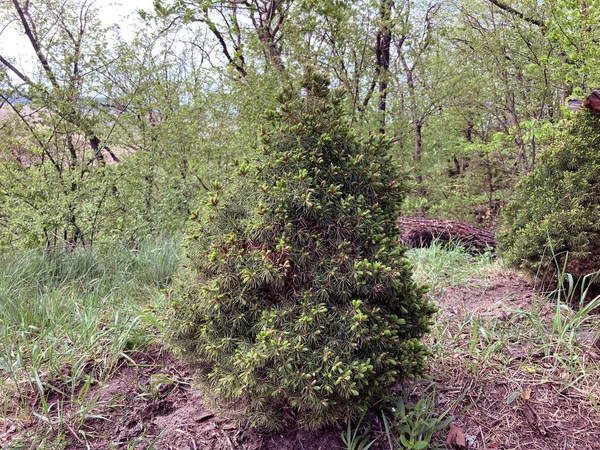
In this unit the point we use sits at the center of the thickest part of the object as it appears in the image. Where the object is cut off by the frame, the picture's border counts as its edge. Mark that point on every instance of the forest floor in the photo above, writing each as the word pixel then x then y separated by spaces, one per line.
pixel 512 369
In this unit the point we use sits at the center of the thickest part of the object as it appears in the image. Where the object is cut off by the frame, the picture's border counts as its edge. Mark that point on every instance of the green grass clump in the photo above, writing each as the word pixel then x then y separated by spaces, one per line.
pixel 66 319
pixel 444 264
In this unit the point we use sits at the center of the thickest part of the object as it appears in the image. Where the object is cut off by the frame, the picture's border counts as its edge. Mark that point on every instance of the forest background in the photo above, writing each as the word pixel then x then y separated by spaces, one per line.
pixel 112 136
pixel 109 139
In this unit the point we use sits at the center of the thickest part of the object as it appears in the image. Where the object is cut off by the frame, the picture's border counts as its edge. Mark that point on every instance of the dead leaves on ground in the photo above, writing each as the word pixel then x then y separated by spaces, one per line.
pixel 456 437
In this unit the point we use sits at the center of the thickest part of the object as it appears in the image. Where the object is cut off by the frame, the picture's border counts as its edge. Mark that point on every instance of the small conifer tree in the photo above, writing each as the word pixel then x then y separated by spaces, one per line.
pixel 555 214
pixel 296 294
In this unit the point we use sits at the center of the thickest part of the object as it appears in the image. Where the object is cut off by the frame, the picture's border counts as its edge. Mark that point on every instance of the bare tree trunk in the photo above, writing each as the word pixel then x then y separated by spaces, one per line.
pixel 490 181
pixel 514 121
pixel 418 132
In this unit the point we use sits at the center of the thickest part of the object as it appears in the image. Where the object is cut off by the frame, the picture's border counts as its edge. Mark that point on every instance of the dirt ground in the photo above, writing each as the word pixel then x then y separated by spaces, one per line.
pixel 521 398
pixel 149 404
pixel 521 402
pixel 150 401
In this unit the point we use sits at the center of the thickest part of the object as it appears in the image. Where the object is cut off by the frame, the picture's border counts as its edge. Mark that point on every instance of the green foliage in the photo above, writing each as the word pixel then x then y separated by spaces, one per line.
pixel 48 298
pixel 465 181
pixel 295 291
pixel 117 137
pixel 556 209
pixel 573 28
pixel 447 263
pixel 354 439
pixel 67 319
pixel 413 425
pixel 104 142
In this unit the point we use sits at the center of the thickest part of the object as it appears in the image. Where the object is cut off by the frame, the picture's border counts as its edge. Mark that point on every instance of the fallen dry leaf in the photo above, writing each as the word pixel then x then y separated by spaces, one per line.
pixel 527 393
pixel 456 437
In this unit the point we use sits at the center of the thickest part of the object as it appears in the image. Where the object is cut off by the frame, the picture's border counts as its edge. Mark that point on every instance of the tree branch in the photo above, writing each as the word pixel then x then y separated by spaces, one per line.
pixel 513 11
pixel 33 133
pixel 35 44
pixel 215 31
pixel 14 70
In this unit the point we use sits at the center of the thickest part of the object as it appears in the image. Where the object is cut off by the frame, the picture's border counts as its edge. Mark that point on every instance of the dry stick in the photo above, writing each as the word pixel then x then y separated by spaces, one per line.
pixel 418 230
pixel 228 440
pixel 73 433
pixel 482 438
pixel 190 436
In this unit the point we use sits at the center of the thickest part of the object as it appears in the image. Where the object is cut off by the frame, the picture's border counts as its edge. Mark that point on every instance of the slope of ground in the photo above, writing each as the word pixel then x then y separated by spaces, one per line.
pixel 517 369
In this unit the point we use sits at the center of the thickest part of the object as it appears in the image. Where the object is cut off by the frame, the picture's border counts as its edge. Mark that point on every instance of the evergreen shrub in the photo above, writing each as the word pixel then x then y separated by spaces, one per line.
pixel 296 296
pixel 555 214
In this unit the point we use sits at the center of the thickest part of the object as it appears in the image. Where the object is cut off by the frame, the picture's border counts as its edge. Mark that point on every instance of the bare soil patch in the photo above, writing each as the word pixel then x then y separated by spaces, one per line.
pixel 498 292
pixel 150 402
pixel 510 395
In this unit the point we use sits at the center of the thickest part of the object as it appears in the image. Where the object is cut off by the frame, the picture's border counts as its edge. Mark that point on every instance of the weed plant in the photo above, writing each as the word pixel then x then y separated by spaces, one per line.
pixel 412 425
pixel 406 425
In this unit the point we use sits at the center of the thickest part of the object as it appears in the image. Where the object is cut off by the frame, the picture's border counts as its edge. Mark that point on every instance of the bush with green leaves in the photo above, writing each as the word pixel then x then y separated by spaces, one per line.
pixel 296 296
pixel 554 219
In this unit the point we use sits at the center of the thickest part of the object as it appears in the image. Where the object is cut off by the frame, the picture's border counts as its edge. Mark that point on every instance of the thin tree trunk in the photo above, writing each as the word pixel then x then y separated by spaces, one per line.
pixel 418 131
pixel 382 52
pixel 514 121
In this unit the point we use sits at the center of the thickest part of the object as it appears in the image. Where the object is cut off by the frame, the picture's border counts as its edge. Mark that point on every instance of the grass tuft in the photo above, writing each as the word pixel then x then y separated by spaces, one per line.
pixel 445 264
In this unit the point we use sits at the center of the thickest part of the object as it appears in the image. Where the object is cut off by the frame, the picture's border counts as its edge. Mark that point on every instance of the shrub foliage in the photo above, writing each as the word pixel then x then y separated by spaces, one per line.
pixel 296 295
pixel 555 215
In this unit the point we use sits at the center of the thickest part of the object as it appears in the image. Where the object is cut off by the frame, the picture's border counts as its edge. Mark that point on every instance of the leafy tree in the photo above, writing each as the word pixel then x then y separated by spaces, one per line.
pixel 59 182
pixel 236 27
pixel 488 73
pixel 102 142
pixel 170 124
pixel 556 209
pixel 296 293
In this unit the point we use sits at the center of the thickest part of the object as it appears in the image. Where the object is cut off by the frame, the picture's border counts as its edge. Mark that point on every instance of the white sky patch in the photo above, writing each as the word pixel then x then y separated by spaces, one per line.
pixel 122 13
pixel 115 12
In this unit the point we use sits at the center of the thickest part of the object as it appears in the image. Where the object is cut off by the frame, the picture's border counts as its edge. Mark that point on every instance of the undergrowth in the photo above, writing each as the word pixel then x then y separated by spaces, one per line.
pixel 448 264
pixel 67 319
pixel 508 369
